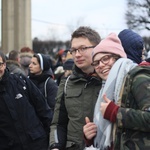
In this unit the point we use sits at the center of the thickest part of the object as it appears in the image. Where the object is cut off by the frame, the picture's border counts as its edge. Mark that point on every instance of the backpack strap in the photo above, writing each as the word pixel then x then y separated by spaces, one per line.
pixel 45 91
pixel 65 87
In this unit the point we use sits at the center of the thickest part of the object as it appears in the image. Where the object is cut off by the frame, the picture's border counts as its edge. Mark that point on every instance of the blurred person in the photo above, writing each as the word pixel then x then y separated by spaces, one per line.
pixel 13 62
pixel 61 57
pixel 66 69
pixel 77 94
pixel 58 69
pixel 58 74
pixel 148 57
pixel 144 54
pixel 25 117
pixel 25 58
pixel 122 109
pixel 67 66
pixel 146 62
pixel 41 75
pixel 148 54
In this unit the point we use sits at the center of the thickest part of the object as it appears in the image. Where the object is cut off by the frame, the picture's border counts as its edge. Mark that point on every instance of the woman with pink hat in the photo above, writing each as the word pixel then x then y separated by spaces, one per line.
pixel 123 106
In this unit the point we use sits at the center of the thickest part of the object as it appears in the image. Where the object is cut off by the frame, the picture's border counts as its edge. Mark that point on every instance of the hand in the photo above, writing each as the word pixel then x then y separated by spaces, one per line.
pixel 104 105
pixel 90 129
pixel 67 73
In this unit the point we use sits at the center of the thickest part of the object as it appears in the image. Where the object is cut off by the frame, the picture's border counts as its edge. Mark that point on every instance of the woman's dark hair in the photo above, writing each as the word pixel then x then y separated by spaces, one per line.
pixel 38 58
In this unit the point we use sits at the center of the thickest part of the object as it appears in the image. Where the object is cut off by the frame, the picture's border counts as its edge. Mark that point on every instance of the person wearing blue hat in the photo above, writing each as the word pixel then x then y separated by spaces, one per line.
pixel 133 45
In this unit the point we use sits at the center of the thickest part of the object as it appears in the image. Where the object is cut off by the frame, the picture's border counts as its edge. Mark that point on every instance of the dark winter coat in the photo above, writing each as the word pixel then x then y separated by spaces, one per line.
pixel 51 87
pixel 25 117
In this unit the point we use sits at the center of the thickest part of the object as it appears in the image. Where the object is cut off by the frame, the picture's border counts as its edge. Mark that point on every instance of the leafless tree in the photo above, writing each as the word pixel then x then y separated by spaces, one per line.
pixel 138 14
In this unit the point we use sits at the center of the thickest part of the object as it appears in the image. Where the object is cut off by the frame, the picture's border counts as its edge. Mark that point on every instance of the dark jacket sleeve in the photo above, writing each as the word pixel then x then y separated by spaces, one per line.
pixel 37 99
pixel 51 89
pixel 58 134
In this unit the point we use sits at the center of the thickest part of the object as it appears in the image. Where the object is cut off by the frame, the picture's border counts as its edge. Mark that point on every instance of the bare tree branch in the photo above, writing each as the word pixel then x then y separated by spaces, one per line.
pixel 138 14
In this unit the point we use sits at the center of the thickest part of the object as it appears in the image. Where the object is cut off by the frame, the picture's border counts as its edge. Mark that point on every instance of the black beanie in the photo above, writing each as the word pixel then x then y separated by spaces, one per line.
pixel 68 64
pixel 45 61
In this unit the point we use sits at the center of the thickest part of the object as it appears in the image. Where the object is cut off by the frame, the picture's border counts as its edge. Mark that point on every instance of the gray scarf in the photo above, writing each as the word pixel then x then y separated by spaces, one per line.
pixel 111 88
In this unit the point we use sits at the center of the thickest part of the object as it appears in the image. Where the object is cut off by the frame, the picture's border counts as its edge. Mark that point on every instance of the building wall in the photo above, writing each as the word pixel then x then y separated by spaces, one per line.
pixel 16 24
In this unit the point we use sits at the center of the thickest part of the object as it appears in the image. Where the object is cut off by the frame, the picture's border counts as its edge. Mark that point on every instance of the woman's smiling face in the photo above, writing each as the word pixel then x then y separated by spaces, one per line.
pixel 103 63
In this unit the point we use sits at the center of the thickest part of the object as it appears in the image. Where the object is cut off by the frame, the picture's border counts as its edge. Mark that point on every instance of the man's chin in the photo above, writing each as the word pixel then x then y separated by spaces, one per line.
pixel 79 65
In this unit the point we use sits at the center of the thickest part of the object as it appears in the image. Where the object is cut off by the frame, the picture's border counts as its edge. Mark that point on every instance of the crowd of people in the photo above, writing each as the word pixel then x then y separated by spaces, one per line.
pixel 96 95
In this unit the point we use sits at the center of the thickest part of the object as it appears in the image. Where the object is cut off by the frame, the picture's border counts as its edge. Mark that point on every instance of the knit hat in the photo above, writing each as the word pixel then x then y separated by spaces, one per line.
pixel 133 44
pixel 111 44
pixel 68 64
pixel 45 61
pixel 60 52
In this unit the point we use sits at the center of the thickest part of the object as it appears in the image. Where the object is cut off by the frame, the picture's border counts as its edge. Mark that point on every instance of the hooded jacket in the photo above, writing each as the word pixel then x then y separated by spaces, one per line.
pixel 51 87
pixel 25 117
pixel 133 45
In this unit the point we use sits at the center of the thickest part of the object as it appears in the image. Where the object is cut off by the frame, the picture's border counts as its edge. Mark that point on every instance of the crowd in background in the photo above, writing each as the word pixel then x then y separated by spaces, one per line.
pixel 18 61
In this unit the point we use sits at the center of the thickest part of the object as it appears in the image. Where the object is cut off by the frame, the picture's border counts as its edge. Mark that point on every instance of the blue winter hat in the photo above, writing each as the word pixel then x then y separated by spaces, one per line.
pixel 133 44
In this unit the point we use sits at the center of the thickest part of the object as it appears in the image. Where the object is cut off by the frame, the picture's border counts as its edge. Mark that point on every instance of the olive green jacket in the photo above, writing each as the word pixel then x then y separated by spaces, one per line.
pixel 71 109
pixel 133 118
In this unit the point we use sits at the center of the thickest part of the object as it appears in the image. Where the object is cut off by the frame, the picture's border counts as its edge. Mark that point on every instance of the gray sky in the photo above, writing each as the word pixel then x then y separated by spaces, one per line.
pixel 56 19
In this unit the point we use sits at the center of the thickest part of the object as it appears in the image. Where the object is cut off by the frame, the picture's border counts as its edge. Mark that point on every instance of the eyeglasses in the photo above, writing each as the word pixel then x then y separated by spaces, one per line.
pixel 81 50
pixel 1 64
pixel 105 60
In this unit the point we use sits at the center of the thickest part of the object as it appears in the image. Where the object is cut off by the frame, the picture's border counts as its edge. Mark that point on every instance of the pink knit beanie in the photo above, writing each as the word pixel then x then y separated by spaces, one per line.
pixel 111 44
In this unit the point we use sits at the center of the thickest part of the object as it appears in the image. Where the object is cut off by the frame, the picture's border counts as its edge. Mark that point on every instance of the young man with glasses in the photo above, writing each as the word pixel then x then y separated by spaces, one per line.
pixel 25 116
pixel 79 98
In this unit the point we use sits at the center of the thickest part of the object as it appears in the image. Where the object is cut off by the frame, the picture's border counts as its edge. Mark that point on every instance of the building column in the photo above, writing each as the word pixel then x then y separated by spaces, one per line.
pixel 16 24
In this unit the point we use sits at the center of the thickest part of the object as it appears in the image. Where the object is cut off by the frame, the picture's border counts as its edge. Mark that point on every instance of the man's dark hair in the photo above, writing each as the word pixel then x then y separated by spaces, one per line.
pixel 13 55
pixel 87 32
pixel 3 56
